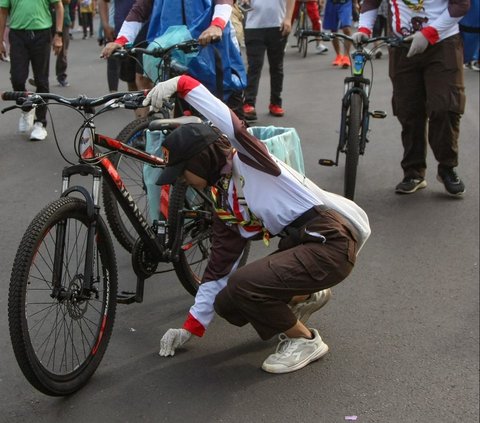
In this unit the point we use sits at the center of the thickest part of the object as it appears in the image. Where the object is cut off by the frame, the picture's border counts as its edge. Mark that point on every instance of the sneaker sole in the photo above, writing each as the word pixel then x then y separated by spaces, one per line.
pixel 421 185
pixel 459 194
pixel 314 357
pixel 316 307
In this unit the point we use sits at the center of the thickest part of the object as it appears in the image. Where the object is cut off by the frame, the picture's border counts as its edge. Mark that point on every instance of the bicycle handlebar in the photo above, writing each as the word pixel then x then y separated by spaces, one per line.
pixel 392 41
pixel 132 99
pixel 186 46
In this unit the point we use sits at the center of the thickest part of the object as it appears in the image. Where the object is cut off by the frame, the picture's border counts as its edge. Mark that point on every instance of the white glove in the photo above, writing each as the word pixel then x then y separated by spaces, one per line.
pixel 359 37
pixel 419 43
pixel 160 92
pixel 173 339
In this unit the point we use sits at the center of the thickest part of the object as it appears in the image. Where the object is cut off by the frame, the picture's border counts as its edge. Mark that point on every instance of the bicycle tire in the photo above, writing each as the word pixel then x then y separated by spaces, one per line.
pixel 304 47
pixel 354 120
pixel 193 258
pixel 131 171
pixel 300 27
pixel 59 343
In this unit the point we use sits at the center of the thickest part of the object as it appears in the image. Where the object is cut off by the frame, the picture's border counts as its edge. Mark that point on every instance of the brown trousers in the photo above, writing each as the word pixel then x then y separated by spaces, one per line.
pixel 428 90
pixel 259 292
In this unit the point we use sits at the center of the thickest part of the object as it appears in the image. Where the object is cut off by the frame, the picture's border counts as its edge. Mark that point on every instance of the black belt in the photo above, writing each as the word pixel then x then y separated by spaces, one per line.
pixel 306 217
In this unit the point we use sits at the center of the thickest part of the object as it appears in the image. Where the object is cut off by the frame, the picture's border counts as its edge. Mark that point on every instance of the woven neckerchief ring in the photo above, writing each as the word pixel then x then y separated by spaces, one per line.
pixel 415 7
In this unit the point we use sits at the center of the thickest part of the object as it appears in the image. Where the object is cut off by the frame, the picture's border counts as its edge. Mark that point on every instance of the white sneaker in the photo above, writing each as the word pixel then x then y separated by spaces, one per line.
pixel 315 302
pixel 295 353
pixel 26 121
pixel 321 48
pixel 39 132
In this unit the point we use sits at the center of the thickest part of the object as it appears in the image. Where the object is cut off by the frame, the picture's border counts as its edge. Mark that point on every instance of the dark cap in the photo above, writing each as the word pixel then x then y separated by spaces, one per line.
pixel 181 145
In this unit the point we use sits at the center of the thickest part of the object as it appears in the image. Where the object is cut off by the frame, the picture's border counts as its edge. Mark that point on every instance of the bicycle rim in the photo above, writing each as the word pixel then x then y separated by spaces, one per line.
pixel 60 339
pixel 353 144
pixel 196 242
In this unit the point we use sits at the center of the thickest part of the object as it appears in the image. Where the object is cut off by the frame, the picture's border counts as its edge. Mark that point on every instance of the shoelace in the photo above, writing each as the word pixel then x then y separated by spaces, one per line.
pixel 286 345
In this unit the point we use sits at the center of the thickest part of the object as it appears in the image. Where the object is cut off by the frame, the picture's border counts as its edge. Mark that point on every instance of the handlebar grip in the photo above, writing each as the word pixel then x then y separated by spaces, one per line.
pixel 14 95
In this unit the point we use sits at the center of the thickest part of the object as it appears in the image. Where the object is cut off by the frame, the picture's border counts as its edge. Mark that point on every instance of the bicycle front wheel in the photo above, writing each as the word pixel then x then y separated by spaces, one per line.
pixel 131 172
pixel 60 332
pixel 354 119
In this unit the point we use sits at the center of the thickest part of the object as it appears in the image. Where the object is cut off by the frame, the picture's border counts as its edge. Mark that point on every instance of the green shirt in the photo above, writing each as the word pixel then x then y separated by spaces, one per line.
pixel 29 14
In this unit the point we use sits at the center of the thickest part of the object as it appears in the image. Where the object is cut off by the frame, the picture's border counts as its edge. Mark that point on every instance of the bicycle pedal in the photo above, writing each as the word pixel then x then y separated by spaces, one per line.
pixel 126 297
pixel 378 114
pixel 326 162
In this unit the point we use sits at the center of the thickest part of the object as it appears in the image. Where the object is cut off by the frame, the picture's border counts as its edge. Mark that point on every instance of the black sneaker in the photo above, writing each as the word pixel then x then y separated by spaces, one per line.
pixel 409 185
pixel 453 184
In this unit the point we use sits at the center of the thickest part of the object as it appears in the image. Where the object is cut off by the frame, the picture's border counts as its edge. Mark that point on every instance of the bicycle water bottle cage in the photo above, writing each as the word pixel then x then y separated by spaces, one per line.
pixel 358 63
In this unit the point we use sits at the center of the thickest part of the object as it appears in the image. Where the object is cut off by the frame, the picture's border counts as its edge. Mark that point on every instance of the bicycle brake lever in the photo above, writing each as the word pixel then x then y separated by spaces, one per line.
pixel 7 109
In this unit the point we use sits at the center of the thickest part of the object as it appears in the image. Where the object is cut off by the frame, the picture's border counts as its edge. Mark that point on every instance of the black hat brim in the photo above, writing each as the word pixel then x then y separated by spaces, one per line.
pixel 170 174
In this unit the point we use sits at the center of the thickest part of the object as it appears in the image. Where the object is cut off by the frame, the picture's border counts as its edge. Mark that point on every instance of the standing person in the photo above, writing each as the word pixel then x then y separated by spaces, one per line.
pixel 266 31
pixel 61 63
pixel 470 31
pixel 30 42
pixel 321 232
pixel 208 21
pixel 428 89
pixel 338 15
pixel 87 10
pixel 73 12
pixel 314 15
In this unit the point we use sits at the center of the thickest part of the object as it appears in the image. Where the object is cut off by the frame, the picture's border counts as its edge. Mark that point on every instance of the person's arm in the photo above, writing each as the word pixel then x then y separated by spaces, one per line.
pixel 221 15
pixel 450 17
pixel 103 10
pixel 133 23
pixel 286 25
pixel 57 42
pixel 250 149
pixel 368 16
pixel 225 255
pixel 3 25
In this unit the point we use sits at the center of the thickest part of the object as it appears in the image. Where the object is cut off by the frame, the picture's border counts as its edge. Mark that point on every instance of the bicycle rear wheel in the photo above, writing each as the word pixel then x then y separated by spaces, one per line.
pixel 131 171
pixel 197 236
pixel 354 119
pixel 59 336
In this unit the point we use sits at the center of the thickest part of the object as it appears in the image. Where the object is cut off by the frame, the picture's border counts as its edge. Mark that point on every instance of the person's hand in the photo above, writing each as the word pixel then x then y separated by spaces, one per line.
pixel 359 37
pixel 419 43
pixel 109 49
pixel 161 92
pixel 57 44
pixel 286 27
pixel 211 34
pixel 3 51
pixel 109 33
pixel 173 339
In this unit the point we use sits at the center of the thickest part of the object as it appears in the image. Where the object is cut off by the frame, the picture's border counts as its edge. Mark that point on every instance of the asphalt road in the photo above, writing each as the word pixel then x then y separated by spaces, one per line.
pixel 403 329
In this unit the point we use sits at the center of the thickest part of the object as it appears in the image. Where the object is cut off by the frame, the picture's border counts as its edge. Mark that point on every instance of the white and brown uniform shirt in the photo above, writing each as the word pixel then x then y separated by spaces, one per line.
pixel 436 19
pixel 274 192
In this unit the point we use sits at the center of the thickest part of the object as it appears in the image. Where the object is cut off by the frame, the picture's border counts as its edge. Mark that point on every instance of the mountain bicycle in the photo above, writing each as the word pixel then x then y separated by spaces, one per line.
pixel 63 288
pixel 355 113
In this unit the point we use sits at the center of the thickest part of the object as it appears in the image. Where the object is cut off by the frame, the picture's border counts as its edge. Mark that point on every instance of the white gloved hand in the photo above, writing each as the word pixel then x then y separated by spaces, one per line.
pixel 160 92
pixel 173 339
pixel 359 37
pixel 419 43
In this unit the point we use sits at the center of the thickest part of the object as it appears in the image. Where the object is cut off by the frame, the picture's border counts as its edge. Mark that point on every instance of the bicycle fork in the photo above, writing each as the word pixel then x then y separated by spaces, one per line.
pixel 60 235
pixel 365 123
